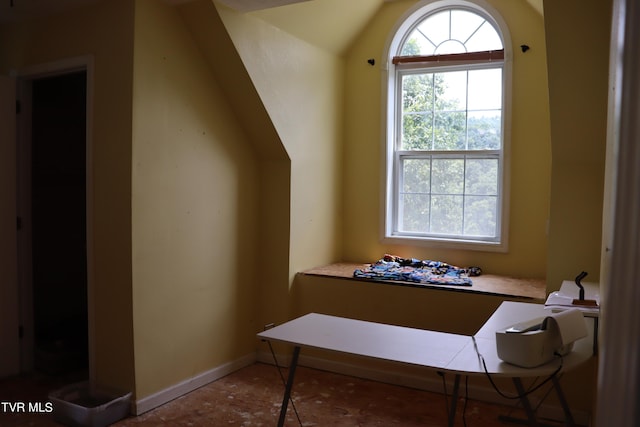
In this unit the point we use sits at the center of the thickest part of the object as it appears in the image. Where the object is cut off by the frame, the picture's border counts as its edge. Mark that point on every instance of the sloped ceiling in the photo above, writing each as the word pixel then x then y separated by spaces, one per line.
pixel 249 5
pixel 536 5
pixel 328 24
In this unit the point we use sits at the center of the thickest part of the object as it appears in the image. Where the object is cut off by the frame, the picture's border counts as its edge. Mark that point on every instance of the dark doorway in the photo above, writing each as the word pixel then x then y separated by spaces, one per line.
pixel 59 239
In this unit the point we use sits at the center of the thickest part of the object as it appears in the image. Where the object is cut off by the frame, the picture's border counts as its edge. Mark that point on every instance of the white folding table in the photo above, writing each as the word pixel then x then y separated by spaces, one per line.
pixel 445 352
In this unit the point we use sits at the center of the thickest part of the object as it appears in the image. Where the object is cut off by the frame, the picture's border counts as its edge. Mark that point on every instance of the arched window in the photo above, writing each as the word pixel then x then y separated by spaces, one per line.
pixel 447 121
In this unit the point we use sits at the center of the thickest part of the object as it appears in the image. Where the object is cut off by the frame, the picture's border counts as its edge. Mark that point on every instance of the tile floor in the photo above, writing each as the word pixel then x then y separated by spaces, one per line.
pixel 252 397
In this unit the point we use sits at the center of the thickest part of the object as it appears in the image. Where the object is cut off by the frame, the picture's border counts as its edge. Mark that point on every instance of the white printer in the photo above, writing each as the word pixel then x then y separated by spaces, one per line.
pixel 538 341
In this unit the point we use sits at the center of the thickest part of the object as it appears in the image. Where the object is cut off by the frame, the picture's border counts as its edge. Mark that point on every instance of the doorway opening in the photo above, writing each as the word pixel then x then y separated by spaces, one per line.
pixel 54 194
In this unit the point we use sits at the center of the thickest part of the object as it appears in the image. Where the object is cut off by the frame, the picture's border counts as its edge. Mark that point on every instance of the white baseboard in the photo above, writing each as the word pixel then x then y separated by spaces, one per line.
pixel 150 402
pixel 432 384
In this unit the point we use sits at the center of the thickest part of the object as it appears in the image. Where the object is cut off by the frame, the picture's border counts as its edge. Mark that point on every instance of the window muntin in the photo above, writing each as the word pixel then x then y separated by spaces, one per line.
pixel 450 110
pixel 449 196
pixel 451 31
pixel 447 145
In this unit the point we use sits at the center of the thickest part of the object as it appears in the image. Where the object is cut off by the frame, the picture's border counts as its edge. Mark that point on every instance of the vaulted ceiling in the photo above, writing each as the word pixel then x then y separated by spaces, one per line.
pixel 249 5
pixel 328 24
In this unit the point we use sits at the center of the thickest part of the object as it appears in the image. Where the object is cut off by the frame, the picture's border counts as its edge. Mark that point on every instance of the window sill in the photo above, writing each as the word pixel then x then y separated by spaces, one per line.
pixel 470 245
pixel 486 284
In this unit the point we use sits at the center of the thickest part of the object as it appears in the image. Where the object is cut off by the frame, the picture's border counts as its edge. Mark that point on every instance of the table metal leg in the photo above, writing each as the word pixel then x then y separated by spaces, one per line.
pixel 595 336
pixel 287 390
pixel 563 401
pixel 454 400
pixel 531 415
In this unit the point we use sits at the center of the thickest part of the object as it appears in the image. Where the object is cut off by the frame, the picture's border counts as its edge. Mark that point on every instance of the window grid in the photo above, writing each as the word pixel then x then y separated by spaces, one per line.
pixel 430 192
pixel 458 130
pixel 412 71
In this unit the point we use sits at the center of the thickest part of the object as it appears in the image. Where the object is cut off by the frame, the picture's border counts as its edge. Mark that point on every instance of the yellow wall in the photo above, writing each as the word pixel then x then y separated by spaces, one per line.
pixel 578 99
pixel 193 210
pixel 300 86
pixel 273 167
pixel 530 149
pixel 103 31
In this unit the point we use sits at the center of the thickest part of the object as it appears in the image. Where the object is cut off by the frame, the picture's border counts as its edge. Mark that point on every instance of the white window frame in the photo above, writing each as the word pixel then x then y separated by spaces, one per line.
pixel 391 95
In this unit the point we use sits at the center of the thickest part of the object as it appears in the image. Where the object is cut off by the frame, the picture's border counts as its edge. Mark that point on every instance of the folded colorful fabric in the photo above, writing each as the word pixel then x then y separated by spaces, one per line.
pixel 392 267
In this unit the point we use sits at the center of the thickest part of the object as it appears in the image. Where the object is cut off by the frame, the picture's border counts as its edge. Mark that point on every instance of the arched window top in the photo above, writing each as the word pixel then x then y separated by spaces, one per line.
pixel 451 31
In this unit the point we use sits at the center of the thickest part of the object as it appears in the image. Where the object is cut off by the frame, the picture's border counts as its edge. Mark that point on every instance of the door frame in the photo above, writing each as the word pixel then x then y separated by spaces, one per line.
pixel 9 312
pixel 618 379
pixel 24 79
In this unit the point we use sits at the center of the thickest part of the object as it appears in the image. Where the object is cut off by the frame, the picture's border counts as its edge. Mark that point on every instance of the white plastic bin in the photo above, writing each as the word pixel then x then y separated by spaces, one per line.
pixel 81 405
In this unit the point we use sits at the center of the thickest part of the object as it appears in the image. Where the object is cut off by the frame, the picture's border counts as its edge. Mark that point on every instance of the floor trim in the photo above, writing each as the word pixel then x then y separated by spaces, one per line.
pixel 157 399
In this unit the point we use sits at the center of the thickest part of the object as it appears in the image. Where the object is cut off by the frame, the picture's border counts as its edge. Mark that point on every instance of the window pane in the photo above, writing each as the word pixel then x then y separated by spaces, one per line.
pixel 451 90
pixel 416 176
pixel 416 45
pixel 417 116
pixel 464 24
pixel 481 177
pixel 414 212
pixel 449 130
pixel 485 89
pixel 435 28
pixel 449 47
pixel 446 214
pixel 417 92
pixel 480 215
pixel 452 31
pixel 416 132
pixel 486 38
pixel 447 176
pixel 484 130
